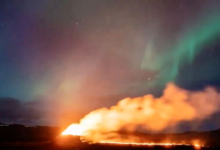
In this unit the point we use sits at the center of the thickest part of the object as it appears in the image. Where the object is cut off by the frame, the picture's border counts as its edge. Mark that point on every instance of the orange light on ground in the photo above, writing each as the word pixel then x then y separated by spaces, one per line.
pixel 197 146
pixel 144 144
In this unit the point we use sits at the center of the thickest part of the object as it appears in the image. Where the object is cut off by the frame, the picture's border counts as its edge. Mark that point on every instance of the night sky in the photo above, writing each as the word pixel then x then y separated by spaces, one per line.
pixel 60 59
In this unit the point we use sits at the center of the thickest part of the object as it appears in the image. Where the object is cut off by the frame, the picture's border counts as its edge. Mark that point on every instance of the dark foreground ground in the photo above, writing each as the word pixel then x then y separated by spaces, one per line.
pixel 52 146
pixel 20 137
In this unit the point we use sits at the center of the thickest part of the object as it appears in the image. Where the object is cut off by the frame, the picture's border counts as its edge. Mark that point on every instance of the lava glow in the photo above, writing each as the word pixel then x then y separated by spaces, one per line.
pixel 197 146
pixel 143 144
pixel 73 129
pixel 77 130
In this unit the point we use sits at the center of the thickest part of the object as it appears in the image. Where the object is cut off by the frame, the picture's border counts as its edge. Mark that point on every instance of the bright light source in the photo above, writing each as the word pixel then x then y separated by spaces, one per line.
pixel 73 129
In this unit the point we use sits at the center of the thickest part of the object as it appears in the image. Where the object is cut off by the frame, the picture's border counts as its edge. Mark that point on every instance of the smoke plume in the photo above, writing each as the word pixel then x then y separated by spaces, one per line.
pixel 155 114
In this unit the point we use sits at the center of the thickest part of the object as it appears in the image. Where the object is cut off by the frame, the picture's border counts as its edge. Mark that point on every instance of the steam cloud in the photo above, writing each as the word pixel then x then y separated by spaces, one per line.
pixel 152 113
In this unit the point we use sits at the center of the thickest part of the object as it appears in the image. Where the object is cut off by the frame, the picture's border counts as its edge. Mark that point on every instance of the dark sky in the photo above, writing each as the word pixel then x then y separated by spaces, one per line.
pixel 60 59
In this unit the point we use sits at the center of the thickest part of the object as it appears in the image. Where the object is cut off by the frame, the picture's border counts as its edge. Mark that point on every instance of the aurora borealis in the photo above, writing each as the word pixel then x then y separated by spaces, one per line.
pixel 184 50
pixel 76 55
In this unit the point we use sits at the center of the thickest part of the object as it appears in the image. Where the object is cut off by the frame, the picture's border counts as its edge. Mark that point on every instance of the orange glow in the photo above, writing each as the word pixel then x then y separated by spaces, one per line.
pixel 197 146
pixel 73 129
pixel 154 114
pixel 143 144
pixel 149 144
pixel 77 130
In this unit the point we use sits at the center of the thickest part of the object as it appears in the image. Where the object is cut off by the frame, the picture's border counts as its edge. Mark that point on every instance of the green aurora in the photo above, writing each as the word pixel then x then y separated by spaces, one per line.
pixel 169 61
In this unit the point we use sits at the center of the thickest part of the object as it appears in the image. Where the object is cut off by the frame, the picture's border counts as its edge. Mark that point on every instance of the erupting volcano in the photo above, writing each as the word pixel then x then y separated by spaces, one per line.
pixel 149 113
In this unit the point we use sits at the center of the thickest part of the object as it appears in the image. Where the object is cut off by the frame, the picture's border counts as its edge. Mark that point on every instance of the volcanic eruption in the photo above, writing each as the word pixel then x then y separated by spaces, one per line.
pixel 149 113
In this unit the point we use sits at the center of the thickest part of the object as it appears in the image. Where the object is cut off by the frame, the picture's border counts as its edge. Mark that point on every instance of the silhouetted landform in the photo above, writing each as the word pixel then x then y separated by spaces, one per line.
pixel 2 124
pixel 16 135
pixel 21 133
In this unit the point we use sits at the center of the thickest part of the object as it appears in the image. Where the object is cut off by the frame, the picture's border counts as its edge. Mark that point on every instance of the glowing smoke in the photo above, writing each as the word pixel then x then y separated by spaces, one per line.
pixel 155 114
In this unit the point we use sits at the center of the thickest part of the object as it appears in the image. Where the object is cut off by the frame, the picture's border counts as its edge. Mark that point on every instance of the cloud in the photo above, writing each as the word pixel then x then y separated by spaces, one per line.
pixel 38 112
pixel 11 109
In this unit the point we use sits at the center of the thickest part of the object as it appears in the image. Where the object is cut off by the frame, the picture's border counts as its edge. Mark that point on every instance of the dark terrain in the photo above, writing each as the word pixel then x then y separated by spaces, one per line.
pixel 45 137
